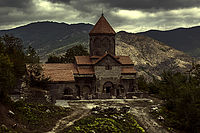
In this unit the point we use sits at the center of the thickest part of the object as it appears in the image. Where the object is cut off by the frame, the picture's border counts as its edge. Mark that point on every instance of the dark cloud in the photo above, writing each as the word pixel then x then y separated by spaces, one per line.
pixel 14 11
pixel 16 3
pixel 19 12
pixel 134 4
pixel 137 15
pixel 60 1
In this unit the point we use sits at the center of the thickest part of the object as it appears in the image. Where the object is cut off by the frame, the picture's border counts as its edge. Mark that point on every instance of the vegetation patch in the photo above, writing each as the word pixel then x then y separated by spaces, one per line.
pixel 181 95
pixel 106 122
pixel 38 117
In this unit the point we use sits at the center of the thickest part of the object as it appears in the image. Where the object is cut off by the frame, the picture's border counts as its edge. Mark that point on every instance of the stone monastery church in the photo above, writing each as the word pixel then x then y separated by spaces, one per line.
pixel 100 75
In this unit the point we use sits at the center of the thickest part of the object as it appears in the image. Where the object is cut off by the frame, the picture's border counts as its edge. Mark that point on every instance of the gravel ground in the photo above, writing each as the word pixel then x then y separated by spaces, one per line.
pixel 138 107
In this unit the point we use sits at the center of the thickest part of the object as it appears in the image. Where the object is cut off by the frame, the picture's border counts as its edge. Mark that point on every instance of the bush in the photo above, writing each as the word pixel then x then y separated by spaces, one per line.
pixel 181 95
pixel 38 117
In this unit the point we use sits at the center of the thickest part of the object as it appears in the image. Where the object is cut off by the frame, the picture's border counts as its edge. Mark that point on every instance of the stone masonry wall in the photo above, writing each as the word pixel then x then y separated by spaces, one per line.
pixel 101 43
pixel 103 76
pixel 101 72
pixel 57 89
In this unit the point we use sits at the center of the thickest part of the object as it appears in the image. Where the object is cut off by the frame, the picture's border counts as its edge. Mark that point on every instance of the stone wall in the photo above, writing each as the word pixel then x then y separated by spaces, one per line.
pixel 99 44
pixel 58 90
pixel 101 72
pixel 85 86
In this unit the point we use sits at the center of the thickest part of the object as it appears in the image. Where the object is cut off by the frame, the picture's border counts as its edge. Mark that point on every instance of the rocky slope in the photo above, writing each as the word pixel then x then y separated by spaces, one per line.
pixel 150 56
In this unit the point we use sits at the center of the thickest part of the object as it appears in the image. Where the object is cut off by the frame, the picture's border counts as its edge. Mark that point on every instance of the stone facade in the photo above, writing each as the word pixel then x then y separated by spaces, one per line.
pixel 99 44
pixel 100 75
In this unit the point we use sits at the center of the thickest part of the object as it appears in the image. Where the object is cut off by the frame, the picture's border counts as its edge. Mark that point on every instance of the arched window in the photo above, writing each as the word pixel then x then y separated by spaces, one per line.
pixel 108 67
pixel 86 89
pixel 106 43
pixel 97 43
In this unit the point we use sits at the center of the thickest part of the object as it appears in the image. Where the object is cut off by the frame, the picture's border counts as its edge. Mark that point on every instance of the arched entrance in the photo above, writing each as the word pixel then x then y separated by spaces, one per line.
pixel 68 91
pixel 86 91
pixel 108 88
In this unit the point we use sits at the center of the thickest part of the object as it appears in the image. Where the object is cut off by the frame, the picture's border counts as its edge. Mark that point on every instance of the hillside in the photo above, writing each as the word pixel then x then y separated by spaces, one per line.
pixel 51 37
pixel 184 39
pixel 151 57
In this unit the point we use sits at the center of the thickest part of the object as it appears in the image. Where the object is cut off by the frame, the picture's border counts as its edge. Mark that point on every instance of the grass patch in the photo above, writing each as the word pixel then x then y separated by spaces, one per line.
pixel 106 123
pixel 38 117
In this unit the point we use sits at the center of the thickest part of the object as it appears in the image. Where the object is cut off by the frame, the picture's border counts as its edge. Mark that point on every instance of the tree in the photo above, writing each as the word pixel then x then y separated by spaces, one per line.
pixel 181 93
pixel 69 56
pixel 13 48
pixel 7 77
pixel 31 55
pixel 54 59
pixel 13 62
pixel 35 76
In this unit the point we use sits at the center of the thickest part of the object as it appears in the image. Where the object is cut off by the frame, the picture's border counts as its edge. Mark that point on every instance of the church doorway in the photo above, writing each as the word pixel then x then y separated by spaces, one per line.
pixel 109 88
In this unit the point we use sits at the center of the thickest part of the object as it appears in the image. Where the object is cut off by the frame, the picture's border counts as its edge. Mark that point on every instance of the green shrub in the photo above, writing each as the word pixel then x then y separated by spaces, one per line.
pixel 105 123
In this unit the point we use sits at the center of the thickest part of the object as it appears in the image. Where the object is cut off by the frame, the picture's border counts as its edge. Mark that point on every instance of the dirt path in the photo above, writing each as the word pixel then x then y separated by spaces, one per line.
pixel 138 107
pixel 69 120
pixel 149 124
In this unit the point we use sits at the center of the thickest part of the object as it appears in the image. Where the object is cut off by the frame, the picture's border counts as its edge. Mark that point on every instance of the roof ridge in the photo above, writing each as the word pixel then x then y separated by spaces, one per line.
pixel 106 54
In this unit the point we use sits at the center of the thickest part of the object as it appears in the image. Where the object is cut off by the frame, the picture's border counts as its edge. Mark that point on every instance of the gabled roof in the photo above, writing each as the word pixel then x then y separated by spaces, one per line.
pixel 85 70
pixel 91 60
pixel 102 27
pixel 105 55
pixel 83 60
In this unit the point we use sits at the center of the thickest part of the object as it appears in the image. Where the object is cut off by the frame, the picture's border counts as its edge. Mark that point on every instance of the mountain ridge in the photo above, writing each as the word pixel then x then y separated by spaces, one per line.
pixel 184 39
pixel 151 57
pixel 48 36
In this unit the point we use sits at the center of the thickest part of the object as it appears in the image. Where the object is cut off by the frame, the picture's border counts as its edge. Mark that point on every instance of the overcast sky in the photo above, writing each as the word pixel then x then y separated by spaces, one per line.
pixel 127 15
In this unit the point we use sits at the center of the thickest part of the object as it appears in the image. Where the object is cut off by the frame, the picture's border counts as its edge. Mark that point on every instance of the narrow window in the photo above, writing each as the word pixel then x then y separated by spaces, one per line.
pixel 108 67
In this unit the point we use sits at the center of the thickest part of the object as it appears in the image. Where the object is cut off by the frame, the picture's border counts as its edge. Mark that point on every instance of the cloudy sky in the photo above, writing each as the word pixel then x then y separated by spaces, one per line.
pixel 128 15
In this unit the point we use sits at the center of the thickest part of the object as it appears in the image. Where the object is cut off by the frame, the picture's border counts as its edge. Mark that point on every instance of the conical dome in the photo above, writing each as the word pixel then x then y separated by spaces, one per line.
pixel 102 27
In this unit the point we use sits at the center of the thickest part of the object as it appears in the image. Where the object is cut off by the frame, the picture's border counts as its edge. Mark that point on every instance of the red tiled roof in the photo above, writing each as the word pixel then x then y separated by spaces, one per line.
pixel 125 60
pixel 88 70
pixel 128 70
pixel 102 27
pixel 95 57
pixel 60 72
pixel 83 60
